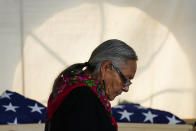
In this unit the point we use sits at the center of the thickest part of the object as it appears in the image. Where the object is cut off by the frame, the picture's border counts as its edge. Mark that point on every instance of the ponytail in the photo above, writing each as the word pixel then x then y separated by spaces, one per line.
pixel 72 70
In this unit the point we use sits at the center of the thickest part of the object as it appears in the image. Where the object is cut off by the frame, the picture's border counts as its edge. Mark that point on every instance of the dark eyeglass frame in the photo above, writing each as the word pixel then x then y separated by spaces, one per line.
pixel 126 82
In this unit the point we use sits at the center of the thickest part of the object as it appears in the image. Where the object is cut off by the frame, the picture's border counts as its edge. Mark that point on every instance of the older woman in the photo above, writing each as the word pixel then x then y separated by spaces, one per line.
pixel 80 97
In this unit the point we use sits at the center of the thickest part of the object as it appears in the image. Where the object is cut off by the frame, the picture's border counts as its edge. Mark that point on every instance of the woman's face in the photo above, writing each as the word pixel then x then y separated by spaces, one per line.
pixel 114 83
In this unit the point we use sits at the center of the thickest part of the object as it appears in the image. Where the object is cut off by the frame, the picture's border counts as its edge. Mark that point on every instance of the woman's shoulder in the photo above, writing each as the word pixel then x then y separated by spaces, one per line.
pixel 79 95
pixel 82 91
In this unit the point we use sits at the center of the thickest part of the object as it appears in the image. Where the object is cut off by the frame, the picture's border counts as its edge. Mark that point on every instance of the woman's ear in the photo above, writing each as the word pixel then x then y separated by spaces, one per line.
pixel 105 67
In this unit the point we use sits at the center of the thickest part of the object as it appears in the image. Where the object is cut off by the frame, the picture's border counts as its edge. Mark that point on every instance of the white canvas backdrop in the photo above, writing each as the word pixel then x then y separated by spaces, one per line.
pixel 38 39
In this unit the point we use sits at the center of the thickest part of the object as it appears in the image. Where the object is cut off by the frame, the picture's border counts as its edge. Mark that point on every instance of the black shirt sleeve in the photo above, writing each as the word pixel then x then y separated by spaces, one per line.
pixel 81 110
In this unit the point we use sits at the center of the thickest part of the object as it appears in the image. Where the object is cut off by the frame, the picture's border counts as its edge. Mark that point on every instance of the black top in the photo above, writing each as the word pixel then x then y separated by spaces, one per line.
pixel 80 111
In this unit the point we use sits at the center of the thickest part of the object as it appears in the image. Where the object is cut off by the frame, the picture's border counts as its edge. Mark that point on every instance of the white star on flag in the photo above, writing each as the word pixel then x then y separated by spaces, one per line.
pixel 119 106
pixel 36 108
pixel 39 122
pixel 5 95
pixel 125 114
pixel 15 122
pixel 149 116
pixel 10 107
pixel 172 120
pixel 140 107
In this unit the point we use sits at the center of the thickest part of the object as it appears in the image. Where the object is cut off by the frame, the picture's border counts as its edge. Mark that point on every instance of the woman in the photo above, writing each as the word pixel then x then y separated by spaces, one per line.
pixel 80 97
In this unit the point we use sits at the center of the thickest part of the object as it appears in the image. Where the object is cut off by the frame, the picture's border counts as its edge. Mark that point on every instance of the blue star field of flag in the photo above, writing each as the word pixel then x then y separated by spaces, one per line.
pixel 17 109
pixel 135 113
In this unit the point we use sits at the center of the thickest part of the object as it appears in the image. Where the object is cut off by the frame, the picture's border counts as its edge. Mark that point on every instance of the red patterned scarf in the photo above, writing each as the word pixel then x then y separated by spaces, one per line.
pixel 66 84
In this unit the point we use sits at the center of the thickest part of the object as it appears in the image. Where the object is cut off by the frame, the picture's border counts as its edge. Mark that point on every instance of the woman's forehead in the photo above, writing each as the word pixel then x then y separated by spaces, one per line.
pixel 129 68
pixel 129 65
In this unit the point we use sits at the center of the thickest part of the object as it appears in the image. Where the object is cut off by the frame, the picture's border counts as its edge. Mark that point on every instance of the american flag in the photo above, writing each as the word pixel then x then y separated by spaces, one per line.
pixel 17 109
pixel 135 113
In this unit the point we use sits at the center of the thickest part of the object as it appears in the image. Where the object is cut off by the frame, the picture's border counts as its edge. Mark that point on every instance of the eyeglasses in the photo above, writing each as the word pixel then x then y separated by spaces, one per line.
pixel 126 82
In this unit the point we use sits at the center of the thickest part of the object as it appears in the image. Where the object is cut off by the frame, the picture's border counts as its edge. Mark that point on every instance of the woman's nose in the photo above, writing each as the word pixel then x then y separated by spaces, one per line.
pixel 125 89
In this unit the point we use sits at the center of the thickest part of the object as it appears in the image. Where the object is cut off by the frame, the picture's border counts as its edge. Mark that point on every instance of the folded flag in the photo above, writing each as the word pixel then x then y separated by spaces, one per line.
pixel 135 113
pixel 17 109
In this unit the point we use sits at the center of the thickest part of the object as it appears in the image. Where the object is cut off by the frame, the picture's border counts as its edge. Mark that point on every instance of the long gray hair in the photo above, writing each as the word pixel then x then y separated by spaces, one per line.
pixel 112 50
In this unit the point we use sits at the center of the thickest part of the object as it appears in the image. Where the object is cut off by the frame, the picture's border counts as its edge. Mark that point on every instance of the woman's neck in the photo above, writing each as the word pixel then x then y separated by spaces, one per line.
pixel 95 76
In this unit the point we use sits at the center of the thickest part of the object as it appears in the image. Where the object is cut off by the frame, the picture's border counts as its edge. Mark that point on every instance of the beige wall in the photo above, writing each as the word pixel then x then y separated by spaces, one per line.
pixel 10 46
pixel 41 38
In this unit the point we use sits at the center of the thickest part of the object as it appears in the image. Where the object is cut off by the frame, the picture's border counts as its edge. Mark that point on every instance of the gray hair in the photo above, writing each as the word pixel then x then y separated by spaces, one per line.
pixel 113 50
